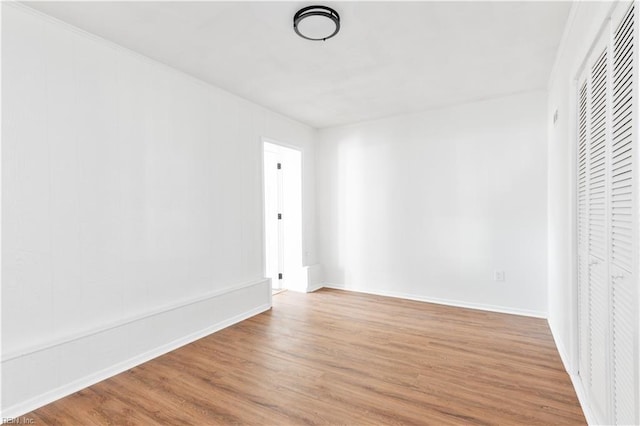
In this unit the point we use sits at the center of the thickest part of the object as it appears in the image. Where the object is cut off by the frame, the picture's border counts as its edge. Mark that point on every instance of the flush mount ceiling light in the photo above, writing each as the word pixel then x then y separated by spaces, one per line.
pixel 316 22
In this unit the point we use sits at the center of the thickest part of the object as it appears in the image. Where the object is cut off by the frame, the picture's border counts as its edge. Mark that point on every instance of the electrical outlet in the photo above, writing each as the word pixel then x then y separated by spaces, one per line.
pixel 498 275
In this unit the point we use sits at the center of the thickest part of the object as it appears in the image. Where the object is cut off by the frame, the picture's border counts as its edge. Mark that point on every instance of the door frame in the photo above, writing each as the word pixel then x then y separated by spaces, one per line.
pixel 298 149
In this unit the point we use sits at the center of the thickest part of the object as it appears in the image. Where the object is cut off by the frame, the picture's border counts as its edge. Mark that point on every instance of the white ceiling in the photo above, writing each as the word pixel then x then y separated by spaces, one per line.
pixel 388 58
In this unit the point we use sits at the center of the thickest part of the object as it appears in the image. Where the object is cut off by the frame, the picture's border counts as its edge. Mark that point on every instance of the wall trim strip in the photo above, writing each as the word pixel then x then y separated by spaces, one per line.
pixel 448 302
pixel 124 321
pixel 93 378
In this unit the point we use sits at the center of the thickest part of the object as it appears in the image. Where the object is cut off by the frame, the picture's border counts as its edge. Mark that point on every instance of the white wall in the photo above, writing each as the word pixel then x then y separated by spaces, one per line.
pixel 132 208
pixel 428 205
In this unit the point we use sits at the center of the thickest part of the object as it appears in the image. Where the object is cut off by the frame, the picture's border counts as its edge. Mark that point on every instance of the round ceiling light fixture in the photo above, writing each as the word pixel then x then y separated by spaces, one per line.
pixel 316 22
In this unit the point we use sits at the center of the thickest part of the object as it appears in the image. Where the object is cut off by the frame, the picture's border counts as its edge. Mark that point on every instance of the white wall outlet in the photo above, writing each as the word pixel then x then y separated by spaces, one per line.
pixel 498 275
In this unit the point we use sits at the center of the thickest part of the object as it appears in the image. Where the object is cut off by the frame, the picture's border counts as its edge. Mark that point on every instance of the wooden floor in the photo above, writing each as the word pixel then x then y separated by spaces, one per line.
pixel 334 357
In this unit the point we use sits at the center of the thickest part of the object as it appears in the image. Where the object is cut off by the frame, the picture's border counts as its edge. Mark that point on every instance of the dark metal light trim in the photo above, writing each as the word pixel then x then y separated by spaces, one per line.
pixel 308 11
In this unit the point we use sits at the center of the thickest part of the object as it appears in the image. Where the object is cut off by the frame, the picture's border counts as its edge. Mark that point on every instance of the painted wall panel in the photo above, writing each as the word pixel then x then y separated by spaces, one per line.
pixel 429 205
pixel 127 187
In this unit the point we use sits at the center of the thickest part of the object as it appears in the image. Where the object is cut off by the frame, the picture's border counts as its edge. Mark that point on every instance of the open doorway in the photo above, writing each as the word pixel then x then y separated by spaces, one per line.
pixel 282 215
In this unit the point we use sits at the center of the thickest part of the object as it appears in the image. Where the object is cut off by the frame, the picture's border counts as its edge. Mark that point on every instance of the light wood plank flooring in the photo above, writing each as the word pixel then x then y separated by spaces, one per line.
pixel 335 357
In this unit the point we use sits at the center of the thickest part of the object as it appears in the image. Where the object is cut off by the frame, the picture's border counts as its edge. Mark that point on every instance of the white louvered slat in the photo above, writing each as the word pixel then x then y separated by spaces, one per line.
pixel 625 396
pixel 623 227
pixel 599 331
pixel 622 137
pixel 597 157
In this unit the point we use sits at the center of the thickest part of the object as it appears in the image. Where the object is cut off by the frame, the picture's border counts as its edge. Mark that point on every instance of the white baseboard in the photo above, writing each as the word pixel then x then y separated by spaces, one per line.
pixel 575 380
pixel 45 359
pixel 448 302
pixel 313 288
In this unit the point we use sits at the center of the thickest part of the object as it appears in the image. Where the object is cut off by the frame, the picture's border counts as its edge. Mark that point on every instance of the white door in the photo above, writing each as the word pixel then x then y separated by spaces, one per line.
pixel 584 326
pixel 599 113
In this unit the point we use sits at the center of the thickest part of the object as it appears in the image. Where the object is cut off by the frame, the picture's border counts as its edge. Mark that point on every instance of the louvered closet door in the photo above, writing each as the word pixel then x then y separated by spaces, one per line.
pixel 607 223
pixel 623 229
pixel 583 233
pixel 597 225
